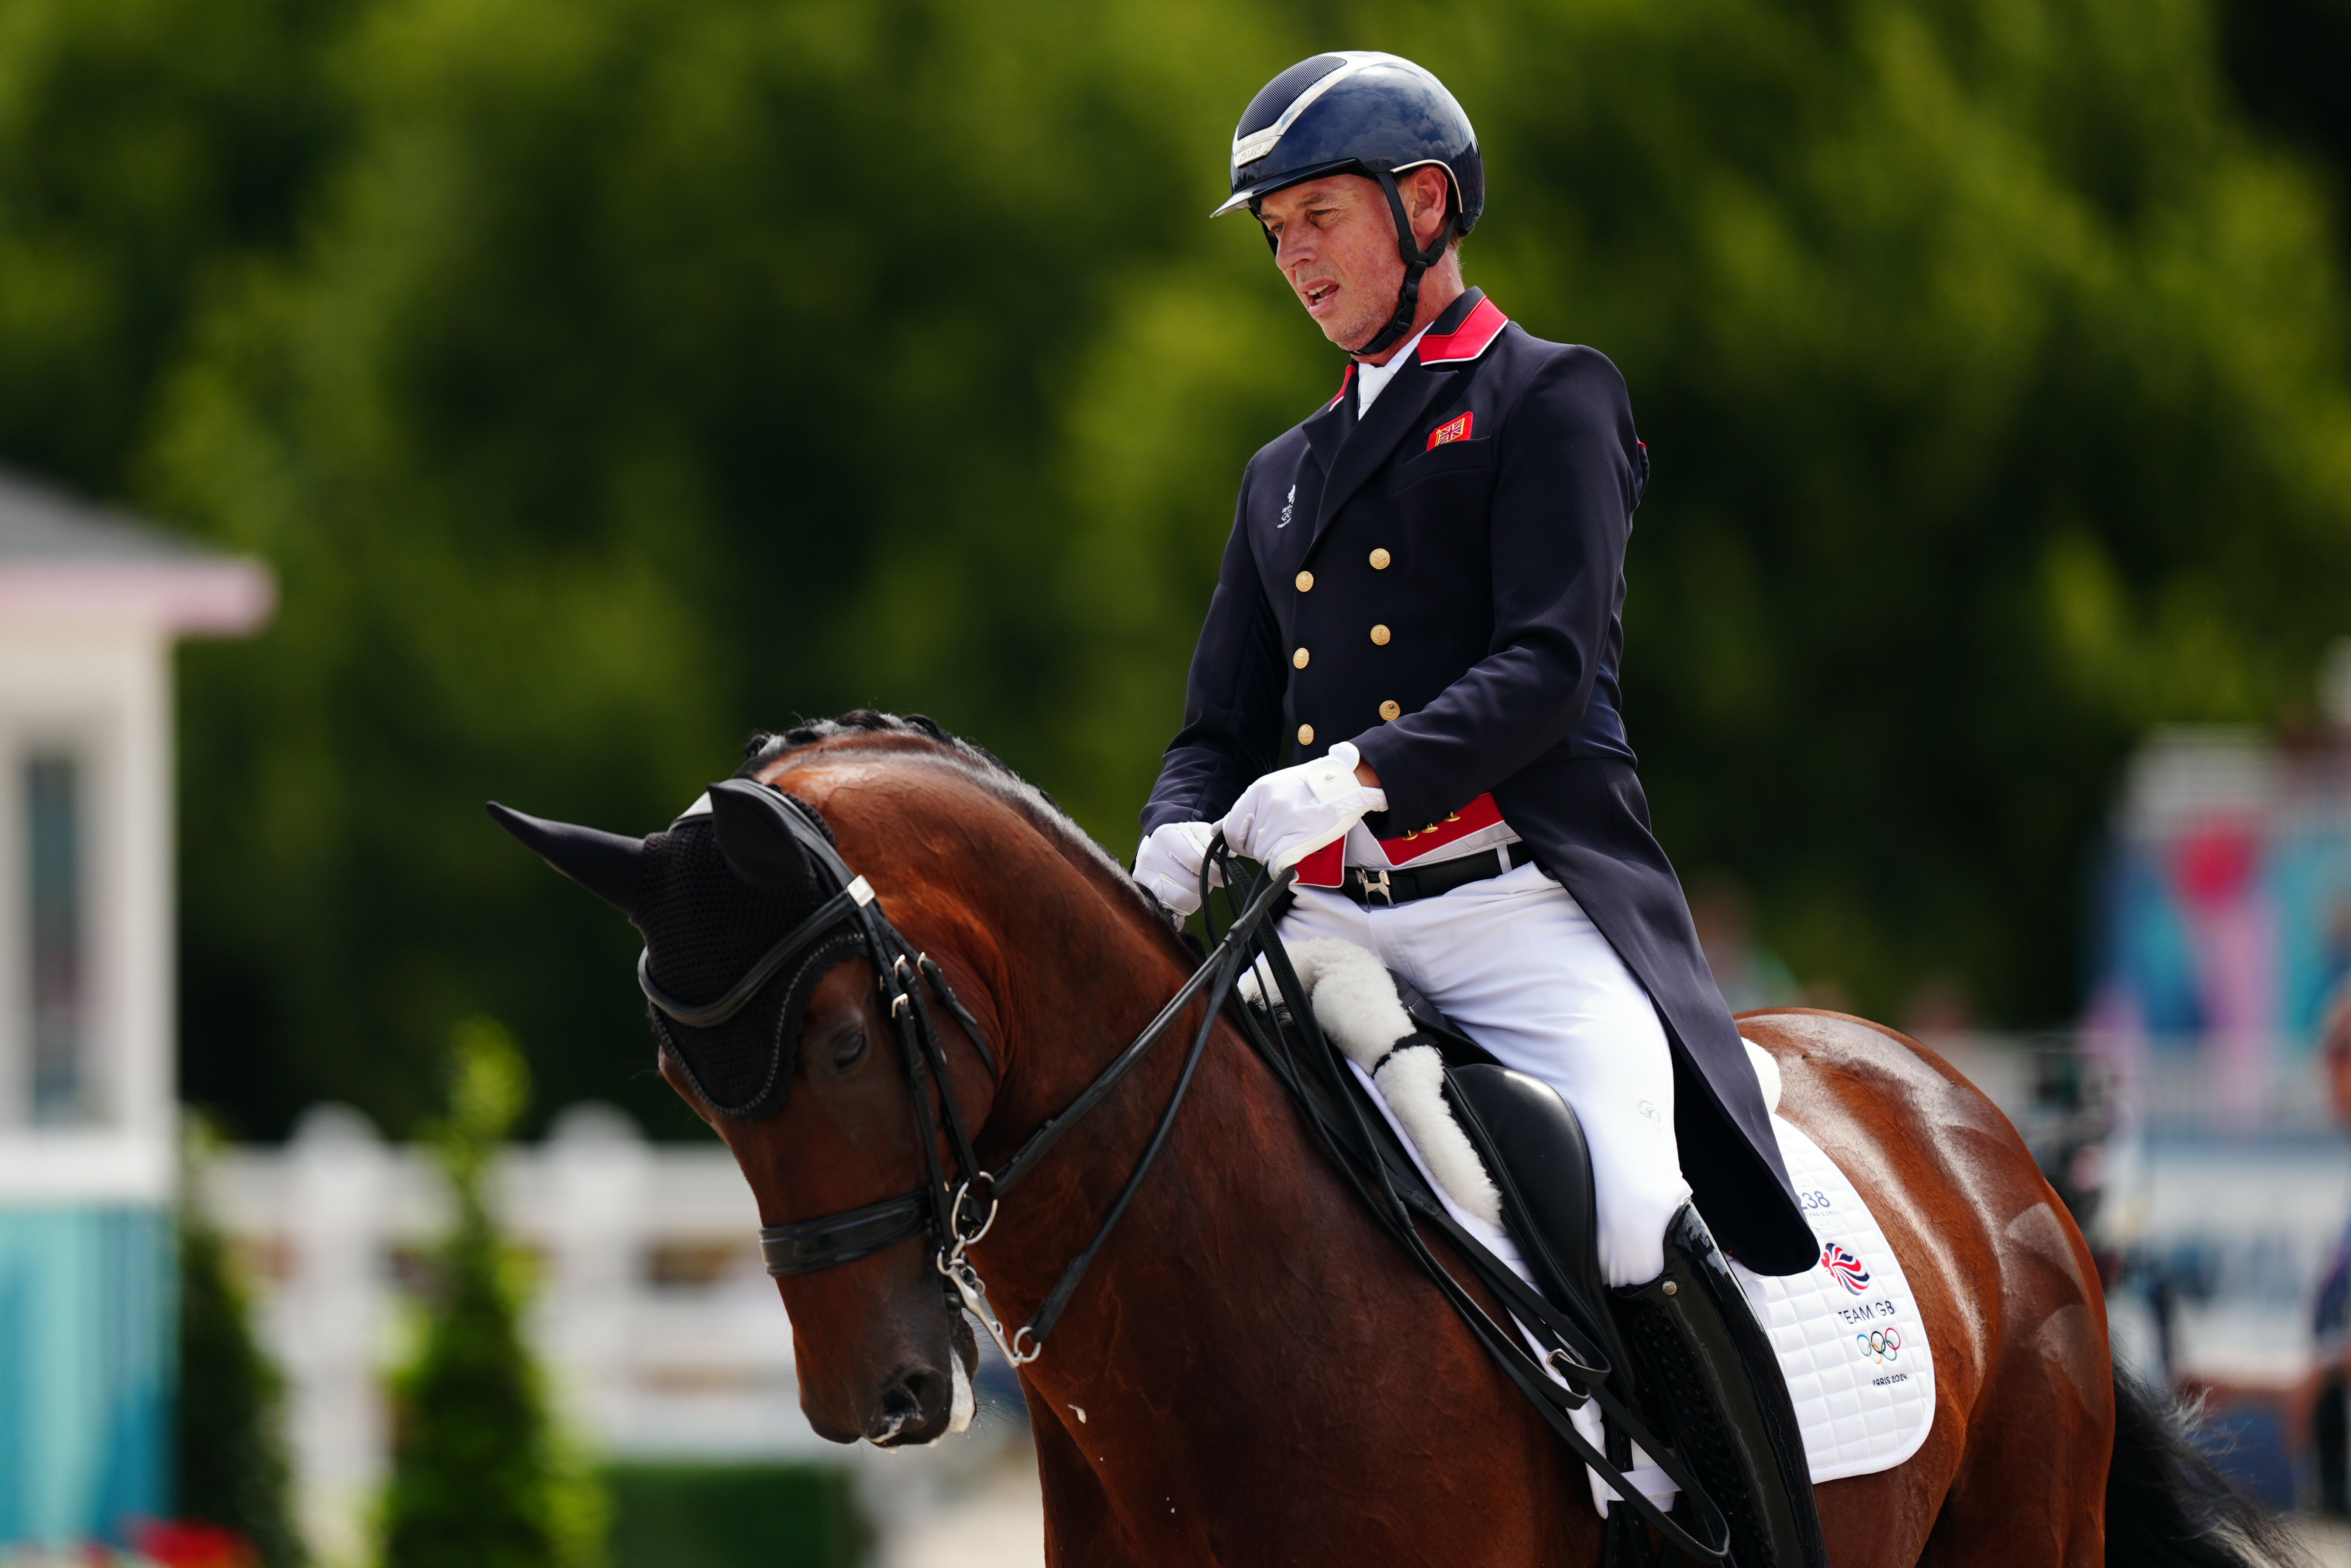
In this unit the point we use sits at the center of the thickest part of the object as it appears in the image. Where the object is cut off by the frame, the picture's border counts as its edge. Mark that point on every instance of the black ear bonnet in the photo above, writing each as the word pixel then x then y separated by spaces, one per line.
pixel 705 924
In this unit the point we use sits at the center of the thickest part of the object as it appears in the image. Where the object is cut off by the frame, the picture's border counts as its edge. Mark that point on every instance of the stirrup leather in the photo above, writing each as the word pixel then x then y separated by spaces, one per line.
pixel 1711 1367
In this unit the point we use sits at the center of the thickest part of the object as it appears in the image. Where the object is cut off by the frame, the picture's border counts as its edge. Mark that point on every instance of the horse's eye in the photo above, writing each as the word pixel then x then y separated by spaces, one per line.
pixel 851 1047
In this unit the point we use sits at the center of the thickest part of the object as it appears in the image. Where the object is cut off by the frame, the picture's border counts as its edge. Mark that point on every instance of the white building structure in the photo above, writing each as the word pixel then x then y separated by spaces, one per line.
pixel 91 603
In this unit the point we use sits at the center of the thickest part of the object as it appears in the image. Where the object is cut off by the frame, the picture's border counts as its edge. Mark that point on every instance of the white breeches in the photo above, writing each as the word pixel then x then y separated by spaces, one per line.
pixel 1519 966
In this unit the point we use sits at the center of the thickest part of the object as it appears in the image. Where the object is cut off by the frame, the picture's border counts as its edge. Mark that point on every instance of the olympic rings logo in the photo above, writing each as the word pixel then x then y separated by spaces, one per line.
pixel 1880 1345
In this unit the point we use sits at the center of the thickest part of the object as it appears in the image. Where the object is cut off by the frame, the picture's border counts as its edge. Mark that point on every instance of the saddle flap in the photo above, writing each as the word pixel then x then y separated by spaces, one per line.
pixel 1534 1148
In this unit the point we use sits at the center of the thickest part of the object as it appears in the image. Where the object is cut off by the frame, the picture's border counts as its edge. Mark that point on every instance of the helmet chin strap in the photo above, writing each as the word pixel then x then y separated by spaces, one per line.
pixel 1416 261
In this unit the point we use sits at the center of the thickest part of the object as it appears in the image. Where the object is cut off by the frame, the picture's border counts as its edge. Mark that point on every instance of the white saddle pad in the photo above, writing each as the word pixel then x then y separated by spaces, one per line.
pixel 1847 1329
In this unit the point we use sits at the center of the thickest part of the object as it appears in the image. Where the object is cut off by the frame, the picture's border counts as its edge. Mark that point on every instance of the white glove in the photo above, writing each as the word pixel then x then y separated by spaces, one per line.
pixel 1285 816
pixel 1167 864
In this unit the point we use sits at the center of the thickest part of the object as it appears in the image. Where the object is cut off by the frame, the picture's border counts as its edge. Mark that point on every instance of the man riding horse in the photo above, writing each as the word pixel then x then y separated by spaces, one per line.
pixel 920 1006
pixel 1421 602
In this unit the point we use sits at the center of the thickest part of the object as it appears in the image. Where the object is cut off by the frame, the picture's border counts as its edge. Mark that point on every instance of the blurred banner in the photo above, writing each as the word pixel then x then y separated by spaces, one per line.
pixel 2224 919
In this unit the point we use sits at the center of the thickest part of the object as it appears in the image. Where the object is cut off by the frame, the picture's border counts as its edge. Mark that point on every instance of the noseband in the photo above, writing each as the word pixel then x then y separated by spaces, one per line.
pixel 954 1207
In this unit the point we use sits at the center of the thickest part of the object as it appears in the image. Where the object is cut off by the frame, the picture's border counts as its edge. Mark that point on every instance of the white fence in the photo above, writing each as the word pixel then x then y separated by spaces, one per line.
pixel 661 1332
pixel 663 1337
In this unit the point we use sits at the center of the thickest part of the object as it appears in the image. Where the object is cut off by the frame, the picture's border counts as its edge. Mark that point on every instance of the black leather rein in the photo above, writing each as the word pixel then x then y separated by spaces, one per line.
pixel 955 1206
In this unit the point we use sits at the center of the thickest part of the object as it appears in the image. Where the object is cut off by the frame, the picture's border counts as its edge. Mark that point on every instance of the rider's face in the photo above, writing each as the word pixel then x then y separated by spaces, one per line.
pixel 1336 242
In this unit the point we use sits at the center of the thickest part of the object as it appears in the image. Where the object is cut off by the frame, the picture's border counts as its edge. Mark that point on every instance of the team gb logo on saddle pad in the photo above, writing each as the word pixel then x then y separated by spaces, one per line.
pixel 1845 1267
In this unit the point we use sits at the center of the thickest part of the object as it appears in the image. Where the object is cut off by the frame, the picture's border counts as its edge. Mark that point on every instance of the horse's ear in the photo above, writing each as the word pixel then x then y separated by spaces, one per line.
pixel 606 864
pixel 756 837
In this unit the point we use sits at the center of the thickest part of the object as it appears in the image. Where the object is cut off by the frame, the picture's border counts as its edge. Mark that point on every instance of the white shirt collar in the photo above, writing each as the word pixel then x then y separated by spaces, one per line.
pixel 1372 379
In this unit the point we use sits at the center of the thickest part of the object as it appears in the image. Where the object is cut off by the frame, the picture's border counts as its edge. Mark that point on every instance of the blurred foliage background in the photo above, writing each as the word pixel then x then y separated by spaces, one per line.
pixel 606 379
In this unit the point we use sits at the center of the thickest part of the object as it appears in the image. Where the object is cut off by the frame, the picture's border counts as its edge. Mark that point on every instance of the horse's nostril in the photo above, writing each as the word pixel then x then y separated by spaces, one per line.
pixel 914 1401
pixel 930 1392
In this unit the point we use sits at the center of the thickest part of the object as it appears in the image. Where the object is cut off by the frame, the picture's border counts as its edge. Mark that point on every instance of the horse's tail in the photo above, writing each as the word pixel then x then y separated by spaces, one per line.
pixel 2167 1507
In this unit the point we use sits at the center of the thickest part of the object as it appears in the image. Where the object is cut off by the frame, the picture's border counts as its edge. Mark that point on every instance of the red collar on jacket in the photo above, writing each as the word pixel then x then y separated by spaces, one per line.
pixel 1459 346
pixel 1467 341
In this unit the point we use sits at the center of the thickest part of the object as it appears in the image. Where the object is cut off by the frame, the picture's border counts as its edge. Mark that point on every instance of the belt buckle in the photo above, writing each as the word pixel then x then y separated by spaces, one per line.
pixel 1364 880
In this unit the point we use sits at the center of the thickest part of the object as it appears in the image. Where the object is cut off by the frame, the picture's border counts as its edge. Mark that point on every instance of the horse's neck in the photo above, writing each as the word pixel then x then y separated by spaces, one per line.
pixel 1249 1358
pixel 1238 1234
pixel 1079 990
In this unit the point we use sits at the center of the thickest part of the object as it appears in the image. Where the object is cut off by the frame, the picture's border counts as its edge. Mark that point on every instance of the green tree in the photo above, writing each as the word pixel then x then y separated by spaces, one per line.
pixel 149 149
pixel 1993 370
pixel 2285 58
pixel 612 377
pixel 701 1515
pixel 229 1447
pixel 584 449
pixel 1994 375
pixel 479 1478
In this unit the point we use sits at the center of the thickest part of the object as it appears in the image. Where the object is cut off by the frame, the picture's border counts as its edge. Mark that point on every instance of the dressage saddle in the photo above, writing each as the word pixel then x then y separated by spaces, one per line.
pixel 1689 1351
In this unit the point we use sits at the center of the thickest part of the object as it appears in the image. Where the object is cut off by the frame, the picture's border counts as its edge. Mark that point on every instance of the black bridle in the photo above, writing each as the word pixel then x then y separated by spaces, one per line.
pixel 955 1208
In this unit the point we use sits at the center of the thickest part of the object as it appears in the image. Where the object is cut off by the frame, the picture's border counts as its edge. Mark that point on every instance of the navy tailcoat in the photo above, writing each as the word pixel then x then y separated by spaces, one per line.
pixel 1442 582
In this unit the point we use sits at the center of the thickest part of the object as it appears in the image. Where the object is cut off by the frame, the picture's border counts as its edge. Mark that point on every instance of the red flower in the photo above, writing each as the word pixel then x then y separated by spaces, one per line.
pixel 193 1543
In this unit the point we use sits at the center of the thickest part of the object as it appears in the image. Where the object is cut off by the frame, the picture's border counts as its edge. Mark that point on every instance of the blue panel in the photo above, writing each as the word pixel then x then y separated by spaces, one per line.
pixel 2148 946
pixel 86 1347
pixel 2311 882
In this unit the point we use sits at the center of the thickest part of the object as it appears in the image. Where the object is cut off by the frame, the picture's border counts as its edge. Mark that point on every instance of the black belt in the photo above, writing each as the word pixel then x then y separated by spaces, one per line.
pixel 1384 889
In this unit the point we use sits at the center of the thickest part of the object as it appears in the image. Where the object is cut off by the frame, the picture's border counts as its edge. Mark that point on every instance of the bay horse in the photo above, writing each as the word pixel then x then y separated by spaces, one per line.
pixel 1253 1373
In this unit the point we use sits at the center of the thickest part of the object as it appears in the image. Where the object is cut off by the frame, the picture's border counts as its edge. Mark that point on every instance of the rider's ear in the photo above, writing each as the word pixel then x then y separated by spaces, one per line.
pixel 756 836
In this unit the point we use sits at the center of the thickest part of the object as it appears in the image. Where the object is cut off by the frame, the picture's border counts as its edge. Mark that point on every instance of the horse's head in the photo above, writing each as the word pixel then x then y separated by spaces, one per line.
pixel 805 1081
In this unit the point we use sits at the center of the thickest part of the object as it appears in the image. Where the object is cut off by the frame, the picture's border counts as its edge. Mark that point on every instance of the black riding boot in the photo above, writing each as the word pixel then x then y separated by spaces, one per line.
pixel 1711 1367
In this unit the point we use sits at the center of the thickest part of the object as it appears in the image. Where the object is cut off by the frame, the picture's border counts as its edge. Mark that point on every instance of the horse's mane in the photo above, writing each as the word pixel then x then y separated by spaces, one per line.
pixel 980 766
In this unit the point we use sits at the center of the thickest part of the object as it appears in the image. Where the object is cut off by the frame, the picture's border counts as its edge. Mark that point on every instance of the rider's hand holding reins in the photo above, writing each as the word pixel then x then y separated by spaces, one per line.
pixel 1167 864
pixel 1287 815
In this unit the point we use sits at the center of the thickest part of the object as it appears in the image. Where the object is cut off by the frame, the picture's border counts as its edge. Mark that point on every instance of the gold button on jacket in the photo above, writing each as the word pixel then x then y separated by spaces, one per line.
pixel 1380 559
pixel 1380 635
pixel 1305 582
pixel 1305 734
pixel 1391 711
pixel 1298 659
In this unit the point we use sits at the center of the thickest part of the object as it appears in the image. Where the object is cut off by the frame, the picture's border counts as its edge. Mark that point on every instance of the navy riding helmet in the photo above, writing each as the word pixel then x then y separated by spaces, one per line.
pixel 1357 112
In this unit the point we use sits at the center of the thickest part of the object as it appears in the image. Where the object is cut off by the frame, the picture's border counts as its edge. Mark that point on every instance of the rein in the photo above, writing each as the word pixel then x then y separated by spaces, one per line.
pixel 956 1208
